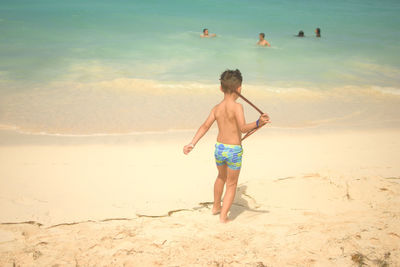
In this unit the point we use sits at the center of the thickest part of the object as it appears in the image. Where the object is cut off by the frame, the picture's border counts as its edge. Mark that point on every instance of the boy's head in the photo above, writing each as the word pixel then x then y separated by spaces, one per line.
pixel 231 80
pixel 262 36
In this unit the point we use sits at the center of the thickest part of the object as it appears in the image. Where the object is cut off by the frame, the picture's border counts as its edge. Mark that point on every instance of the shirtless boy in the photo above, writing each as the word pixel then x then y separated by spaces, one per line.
pixel 228 148
pixel 262 41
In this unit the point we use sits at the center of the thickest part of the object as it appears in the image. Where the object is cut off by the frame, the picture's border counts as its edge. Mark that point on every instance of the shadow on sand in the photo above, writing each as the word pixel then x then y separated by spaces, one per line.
pixel 243 202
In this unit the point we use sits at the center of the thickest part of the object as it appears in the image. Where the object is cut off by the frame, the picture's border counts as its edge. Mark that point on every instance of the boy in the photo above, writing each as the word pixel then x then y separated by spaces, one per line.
pixel 262 41
pixel 228 149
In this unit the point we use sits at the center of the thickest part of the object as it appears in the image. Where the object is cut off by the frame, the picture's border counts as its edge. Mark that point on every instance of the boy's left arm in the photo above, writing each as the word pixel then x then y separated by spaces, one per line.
pixel 200 132
pixel 246 127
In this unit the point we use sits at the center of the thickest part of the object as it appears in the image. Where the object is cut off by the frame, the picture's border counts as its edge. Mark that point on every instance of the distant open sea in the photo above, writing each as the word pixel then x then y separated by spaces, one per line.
pixel 115 67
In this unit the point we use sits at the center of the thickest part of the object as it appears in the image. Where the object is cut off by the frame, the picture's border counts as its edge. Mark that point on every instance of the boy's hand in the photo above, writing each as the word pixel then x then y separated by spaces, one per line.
pixel 264 119
pixel 188 148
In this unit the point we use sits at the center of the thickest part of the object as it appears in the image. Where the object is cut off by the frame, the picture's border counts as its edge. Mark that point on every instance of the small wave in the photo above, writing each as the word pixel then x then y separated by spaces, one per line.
pixel 9 127
pixel 20 130
pixel 387 90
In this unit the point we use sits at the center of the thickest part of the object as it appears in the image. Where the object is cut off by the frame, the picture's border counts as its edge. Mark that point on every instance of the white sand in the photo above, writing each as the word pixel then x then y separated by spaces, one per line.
pixel 305 198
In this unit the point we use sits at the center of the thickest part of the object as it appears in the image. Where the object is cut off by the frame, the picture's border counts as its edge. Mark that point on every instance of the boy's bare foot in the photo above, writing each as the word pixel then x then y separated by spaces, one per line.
pixel 216 211
pixel 224 220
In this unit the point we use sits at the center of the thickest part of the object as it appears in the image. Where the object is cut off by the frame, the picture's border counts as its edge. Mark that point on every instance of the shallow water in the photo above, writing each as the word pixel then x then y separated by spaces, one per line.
pixel 125 66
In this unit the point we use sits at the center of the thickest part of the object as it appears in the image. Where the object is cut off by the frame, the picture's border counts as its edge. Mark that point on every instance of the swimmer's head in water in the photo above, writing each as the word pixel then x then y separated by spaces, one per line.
pixel 205 31
pixel 231 80
pixel 318 32
pixel 262 36
pixel 301 34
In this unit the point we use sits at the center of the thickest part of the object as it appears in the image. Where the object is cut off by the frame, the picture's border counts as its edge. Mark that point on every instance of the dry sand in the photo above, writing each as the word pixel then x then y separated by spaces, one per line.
pixel 305 198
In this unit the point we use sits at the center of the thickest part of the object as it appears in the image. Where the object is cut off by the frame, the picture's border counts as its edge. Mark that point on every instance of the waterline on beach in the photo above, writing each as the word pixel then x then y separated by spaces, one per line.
pixel 128 106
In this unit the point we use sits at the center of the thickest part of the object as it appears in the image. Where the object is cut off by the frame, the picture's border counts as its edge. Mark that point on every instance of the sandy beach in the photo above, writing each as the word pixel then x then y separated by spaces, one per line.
pixel 99 98
pixel 305 197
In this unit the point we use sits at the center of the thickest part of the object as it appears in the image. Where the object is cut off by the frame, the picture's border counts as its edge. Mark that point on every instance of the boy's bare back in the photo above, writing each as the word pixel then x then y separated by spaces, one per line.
pixel 226 115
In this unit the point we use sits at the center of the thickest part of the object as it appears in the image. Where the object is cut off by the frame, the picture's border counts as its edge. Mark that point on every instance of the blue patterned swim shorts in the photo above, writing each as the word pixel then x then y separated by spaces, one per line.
pixel 230 155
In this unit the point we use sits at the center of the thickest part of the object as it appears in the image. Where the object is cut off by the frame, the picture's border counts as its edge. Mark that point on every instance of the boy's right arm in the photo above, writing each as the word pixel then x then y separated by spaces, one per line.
pixel 245 127
pixel 200 132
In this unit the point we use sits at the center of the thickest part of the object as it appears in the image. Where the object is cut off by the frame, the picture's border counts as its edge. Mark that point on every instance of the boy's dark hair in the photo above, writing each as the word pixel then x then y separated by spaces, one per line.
pixel 204 30
pixel 231 80
pixel 262 34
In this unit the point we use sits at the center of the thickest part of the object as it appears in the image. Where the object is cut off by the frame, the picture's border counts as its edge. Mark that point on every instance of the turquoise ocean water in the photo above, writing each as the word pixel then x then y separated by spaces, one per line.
pixel 89 67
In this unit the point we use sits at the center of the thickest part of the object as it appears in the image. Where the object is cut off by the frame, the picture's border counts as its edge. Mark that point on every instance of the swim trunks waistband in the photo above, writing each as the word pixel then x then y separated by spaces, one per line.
pixel 228 145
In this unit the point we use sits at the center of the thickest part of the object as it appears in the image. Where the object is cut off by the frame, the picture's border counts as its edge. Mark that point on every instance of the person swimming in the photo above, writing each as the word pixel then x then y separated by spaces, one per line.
pixel 318 32
pixel 262 41
pixel 301 34
pixel 206 34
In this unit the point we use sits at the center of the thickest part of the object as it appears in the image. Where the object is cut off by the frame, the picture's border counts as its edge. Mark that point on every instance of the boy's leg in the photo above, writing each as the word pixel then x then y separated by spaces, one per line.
pixel 231 184
pixel 219 188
